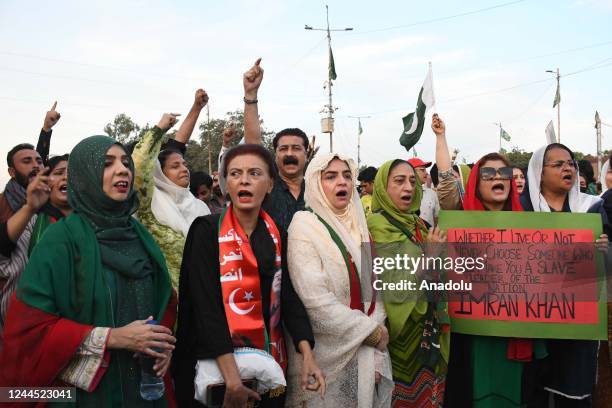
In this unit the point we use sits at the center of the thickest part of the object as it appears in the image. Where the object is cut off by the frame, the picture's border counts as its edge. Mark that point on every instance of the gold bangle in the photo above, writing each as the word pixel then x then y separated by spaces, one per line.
pixel 373 338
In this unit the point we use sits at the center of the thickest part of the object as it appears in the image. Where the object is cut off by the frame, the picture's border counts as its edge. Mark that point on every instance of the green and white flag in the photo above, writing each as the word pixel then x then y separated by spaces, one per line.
pixel 504 135
pixel 415 121
pixel 550 133
pixel 360 130
pixel 332 66
pixel 557 97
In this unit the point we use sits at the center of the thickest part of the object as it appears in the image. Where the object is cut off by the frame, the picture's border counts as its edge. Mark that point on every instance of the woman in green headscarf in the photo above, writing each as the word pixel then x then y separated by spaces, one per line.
pixel 418 327
pixel 92 282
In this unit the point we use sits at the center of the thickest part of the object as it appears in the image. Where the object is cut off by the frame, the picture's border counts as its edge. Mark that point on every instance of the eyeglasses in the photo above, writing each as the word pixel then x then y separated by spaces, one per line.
pixel 489 173
pixel 560 164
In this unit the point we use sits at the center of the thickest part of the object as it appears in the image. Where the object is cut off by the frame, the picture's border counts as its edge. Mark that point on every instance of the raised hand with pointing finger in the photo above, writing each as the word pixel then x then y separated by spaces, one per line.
pixel 168 120
pixel 51 118
pixel 37 193
pixel 252 80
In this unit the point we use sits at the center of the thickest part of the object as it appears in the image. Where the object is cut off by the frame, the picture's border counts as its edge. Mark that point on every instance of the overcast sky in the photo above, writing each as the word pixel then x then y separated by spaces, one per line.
pixel 143 58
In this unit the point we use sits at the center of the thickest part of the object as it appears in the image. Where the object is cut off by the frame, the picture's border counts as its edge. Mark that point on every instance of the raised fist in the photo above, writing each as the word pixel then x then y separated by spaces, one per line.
pixel 437 125
pixel 201 99
pixel 228 135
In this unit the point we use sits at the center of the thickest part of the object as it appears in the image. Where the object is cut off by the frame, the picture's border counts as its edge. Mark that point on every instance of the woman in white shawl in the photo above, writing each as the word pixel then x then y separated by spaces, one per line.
pixel 605 176
pixel 330 266
pixel 167 207
pixel 553 182
pixel 569 371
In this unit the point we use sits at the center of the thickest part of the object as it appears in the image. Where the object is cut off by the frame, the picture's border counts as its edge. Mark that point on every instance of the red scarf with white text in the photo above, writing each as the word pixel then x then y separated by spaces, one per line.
pixel 241 290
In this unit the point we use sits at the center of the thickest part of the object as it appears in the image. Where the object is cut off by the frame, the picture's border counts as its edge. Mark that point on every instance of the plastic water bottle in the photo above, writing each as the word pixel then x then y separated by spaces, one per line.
pixel 151 386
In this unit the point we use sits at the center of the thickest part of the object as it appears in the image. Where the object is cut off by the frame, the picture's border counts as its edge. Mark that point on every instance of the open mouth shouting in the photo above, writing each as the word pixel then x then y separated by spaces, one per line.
pixel 122 186
pixel 498 188
pixel 567 179
pixel 63 188
pixel 342 195
pixel 245 196
pixel 406 198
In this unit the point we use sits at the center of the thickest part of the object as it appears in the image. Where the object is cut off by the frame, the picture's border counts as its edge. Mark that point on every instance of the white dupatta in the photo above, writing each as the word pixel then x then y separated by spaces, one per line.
pixel 174 206
pixel 602 176
pixel 578 202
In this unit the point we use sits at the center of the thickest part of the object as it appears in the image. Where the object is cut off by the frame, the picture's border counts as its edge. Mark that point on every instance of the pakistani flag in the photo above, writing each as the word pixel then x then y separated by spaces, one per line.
pixel 414 122
pixel 360 130
pixel 557 96
pixel 504 135
pixel 332 66
pixel 550 133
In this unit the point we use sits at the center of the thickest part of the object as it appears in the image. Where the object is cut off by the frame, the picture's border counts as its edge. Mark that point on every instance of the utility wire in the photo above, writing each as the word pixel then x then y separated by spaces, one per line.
pixel 84 64
pixel 435 20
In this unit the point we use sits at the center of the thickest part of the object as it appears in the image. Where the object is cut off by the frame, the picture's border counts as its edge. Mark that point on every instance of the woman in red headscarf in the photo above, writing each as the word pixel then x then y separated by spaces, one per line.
pixel 494 365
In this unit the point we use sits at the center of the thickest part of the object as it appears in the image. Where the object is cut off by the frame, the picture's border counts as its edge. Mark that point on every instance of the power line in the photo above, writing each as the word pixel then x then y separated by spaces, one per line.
pixel 566 51
pixel 71 78
pixel 435 20
pixel 61 61
pixel 591 67
pixel 510 88
pixel 530 106
pixel 10 98
pixel 506 89
pixel 505 63
pixel 300 59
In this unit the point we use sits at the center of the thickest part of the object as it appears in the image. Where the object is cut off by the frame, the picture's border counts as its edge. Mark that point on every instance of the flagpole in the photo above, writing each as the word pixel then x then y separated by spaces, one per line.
pixel 209 141
pixel 598 129
pixel 500 134
pixel 559 106
pixel 329 108
pixel 359 131
pixel 330 111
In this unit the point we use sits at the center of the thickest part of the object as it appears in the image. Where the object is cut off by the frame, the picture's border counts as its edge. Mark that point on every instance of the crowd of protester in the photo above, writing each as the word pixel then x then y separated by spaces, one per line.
pixel 112 251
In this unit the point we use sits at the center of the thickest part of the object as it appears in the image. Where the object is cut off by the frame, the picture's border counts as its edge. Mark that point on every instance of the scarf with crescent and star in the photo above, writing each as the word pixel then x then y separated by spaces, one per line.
pixel 241 288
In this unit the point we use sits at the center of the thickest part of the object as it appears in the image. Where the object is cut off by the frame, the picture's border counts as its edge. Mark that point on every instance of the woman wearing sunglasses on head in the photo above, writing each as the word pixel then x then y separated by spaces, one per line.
pixel 484 371
pixel 570 370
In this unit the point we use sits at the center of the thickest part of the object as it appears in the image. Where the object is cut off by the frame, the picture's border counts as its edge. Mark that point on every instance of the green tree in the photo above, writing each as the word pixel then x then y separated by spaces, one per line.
pixel 579 155
pixel 211 140
pixel 518 157
pixel 123 129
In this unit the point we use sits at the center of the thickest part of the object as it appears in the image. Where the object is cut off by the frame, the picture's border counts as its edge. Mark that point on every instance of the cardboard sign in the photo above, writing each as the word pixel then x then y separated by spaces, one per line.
pixel 543 277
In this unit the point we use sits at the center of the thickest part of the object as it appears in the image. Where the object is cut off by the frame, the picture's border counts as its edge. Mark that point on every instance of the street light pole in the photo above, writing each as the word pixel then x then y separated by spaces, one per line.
pixel 329 108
